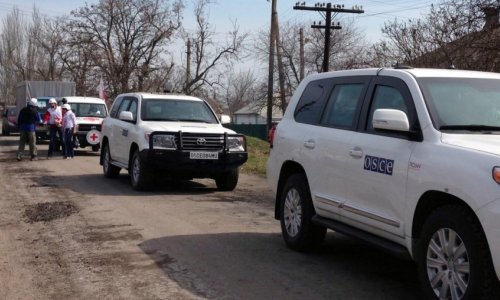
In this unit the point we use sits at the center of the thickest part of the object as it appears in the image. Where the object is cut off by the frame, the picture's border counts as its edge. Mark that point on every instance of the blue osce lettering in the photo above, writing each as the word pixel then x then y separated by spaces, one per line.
pixel 379 164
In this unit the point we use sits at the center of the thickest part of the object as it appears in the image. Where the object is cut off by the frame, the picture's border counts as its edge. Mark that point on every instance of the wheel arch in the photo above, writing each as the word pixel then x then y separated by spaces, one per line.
pixel 287 169
pixel 104 143
pixel 133 148
pixel 430 201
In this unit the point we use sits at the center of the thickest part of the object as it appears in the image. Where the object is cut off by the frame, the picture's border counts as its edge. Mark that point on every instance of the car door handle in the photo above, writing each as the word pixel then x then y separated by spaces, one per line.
pixel 356 152
pixel 310 144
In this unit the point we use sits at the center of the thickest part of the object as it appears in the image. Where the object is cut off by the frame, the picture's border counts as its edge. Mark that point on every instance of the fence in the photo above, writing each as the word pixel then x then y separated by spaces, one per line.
pixel 258 131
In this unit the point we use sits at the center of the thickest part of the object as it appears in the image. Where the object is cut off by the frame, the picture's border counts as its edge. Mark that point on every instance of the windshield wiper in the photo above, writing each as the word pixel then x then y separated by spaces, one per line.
pixel 472 127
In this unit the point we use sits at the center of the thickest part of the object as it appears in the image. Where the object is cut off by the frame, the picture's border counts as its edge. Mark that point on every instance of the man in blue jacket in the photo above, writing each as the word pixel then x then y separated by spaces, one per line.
pixel 27 119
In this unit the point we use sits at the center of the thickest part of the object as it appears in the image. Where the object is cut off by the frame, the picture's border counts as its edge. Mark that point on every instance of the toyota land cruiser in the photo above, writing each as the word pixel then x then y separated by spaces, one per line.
pixel 175 136
pixel 405 159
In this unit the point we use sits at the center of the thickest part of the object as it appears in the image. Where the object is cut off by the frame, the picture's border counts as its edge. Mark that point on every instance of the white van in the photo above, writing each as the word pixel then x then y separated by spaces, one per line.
pixel 90 112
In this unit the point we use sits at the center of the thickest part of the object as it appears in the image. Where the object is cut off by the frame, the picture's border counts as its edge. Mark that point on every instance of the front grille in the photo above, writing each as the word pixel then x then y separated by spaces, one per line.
pixel 88 127
pixel 202 142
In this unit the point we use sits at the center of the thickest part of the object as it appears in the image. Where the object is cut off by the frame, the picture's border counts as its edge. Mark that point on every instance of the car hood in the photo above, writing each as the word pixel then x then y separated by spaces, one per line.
pixel 187 127
pixel 89 120
pixel 489 143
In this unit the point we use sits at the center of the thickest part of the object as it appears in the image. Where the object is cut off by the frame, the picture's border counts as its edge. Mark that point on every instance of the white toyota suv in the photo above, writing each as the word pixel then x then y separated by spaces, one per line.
pixel 170 136
pixel 405 159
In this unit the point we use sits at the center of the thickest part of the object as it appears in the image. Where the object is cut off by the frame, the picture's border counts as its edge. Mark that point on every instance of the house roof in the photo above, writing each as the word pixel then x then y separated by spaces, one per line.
pixel 258 109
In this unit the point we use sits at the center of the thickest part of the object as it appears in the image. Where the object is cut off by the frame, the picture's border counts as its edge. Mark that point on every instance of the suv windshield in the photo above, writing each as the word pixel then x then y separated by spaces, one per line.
pixel 176 110
pixel 463 104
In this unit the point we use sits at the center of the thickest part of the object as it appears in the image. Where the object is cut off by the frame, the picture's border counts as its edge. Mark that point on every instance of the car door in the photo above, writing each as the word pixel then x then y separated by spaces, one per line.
pixel 325 145
pixel 121 131
pixel 376 169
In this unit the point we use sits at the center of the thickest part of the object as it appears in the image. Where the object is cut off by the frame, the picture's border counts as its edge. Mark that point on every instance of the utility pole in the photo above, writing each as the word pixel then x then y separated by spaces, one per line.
pixel 301 53
pixel 188 66
pixel 328 9
pixel 281 72
pixel 270 81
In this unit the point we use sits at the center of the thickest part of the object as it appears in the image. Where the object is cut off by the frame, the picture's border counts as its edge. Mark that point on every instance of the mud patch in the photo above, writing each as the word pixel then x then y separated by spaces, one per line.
pixel 48 211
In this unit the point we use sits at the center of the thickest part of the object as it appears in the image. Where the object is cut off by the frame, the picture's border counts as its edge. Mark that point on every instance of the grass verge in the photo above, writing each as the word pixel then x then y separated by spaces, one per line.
pixel 258 152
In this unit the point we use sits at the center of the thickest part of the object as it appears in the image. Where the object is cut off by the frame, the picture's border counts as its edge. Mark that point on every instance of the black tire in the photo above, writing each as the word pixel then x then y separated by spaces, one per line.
pixel 5 131
pixel 472 268
pixel 95 148
pixel 140 175
pixel 109 170
pixel 296 212
pixel 228 180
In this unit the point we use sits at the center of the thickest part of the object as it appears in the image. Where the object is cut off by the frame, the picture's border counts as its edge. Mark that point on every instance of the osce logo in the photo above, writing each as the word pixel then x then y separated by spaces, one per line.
pixel 379 164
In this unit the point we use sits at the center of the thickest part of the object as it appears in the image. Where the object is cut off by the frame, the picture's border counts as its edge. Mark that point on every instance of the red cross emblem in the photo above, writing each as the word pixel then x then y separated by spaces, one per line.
pixel 93 137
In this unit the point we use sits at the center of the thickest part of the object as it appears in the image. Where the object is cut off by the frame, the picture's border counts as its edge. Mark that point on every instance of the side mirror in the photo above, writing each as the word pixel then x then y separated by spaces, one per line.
pixel 126 116
pixel 390 119
pixel 225 119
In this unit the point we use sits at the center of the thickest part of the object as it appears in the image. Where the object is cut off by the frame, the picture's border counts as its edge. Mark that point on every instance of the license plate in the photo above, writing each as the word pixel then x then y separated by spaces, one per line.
pixel 203 155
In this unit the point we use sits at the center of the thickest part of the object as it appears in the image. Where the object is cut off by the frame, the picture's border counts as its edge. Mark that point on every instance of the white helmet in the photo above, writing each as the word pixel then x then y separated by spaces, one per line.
pixel 66 106
pixel 52 100
pixel 32 102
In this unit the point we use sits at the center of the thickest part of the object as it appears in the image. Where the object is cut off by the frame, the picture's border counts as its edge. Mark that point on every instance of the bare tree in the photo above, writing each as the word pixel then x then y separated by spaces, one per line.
pixel 129 35
pixel 48 36
pixel 348 50
pixel 462 33
pixel 207 55
pixel 239 91
pixel 20 54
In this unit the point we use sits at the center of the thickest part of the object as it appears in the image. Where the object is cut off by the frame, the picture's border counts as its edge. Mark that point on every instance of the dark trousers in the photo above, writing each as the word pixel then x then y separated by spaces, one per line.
pixel 27 137
pixel 68 143
pixel 56 135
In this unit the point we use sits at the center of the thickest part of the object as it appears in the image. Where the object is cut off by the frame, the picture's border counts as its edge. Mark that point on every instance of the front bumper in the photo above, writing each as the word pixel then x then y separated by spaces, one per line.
pixel 178 161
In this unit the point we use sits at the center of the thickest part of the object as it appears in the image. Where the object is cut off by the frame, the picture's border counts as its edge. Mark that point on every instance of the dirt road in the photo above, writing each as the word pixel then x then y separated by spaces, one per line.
pixel 66 232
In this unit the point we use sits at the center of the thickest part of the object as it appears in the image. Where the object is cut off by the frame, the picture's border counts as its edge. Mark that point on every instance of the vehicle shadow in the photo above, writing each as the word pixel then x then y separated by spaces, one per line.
pixel 97 184
pixel 260 266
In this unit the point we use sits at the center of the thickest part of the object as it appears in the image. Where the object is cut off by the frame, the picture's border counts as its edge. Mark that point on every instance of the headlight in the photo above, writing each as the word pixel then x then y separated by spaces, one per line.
pixel 161 141
pixel 236 143
pixel 164 142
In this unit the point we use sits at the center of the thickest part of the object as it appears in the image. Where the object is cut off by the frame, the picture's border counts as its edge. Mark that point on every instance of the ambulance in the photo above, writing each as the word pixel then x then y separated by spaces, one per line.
pixel 89 112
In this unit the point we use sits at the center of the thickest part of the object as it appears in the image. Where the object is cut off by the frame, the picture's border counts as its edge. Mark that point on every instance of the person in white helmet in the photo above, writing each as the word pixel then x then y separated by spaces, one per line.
pixel 53 117
pixel 69 127
pixel 27 119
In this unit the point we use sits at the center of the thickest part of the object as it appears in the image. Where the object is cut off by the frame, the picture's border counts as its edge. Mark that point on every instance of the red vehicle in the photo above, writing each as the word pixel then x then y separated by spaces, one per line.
pixel 9 120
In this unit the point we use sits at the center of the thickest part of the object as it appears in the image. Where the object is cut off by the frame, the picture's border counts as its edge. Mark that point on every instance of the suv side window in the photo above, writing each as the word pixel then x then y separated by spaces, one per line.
pixel 128 104
pixel 114 109
pixel 386 97
pixel 342 107
pixel 393 93
pixel 308 109
pixel 133 109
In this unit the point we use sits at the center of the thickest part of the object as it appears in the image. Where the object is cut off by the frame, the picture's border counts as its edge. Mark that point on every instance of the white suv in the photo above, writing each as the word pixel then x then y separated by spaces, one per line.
pixel 406 159
pixel 173 136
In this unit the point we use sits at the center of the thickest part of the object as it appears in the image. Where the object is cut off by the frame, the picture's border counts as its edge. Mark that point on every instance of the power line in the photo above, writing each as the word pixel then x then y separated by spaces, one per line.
pixel 328 9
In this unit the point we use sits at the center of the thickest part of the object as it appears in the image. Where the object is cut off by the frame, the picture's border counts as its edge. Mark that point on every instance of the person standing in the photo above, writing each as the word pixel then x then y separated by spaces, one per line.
pixel 69 127
pixel 27 119
pixel 53 117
